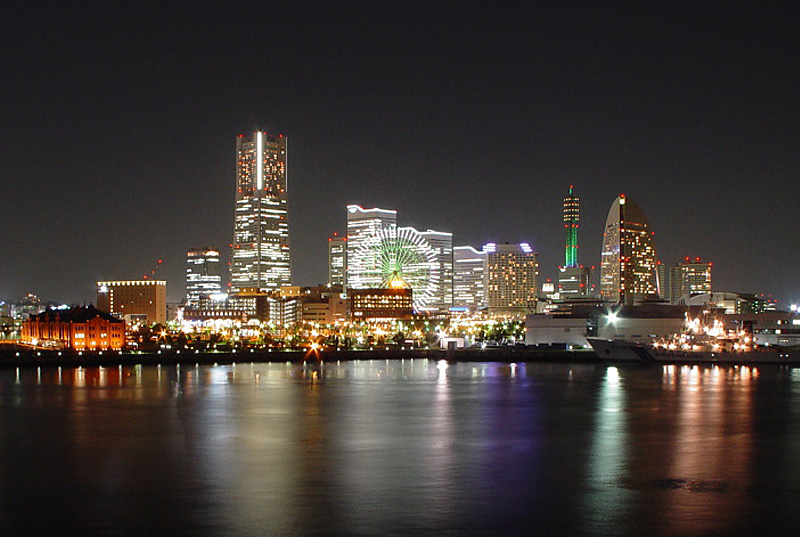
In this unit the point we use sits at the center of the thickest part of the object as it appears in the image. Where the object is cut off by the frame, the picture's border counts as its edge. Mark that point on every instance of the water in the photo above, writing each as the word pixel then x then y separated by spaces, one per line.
pixel 400 448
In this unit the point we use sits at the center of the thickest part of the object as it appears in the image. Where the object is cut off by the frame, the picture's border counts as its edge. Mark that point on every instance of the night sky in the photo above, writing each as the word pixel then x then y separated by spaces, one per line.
pixel 119 122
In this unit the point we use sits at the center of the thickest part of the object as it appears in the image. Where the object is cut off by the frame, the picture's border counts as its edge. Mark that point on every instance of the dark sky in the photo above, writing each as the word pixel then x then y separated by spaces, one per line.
pixel 119 122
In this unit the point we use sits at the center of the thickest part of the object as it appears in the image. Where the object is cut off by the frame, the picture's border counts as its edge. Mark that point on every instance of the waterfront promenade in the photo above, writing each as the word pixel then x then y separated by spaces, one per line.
pixel 20 357
pixel 28 357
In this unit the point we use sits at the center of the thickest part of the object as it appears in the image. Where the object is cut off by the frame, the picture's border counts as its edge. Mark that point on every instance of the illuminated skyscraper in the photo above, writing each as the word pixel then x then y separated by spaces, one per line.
pixel 511 277
pixel 442 244
pixel 572 207
pixel 337 259
pixel 261 256
pixel 628 262
pixel 468 284
pixel 362 226
pixel 202 274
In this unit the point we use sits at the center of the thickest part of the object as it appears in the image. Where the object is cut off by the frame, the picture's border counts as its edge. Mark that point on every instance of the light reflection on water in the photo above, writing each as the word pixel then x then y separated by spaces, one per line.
pixel 400 447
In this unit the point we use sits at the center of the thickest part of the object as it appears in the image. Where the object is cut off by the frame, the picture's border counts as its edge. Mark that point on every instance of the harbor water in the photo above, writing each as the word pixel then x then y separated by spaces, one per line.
pixel 401 447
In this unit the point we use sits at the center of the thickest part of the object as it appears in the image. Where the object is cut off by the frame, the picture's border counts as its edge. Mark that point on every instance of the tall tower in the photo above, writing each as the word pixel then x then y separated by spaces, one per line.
pixel 260 257
pixel 572 207
pixel 574 280
pixel 628 261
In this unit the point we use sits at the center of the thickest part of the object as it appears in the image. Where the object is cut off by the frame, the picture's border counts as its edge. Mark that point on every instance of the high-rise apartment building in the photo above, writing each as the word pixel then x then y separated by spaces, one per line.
pixel 202 274
pixel 362 226
pixel 511 277
pixel 628 262
pixel 337 260
pixel 690 277
pixel 468 277
pixel 261 255
pixel 442 244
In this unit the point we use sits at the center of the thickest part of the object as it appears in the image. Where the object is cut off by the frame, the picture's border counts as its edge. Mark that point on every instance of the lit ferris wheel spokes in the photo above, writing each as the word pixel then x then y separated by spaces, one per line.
pixel 394 254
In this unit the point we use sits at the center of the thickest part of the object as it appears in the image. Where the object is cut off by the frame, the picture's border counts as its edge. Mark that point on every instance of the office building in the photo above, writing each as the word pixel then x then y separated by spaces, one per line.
pixel 135 301
pixel 202 274
pixel 442 245
pixel 468 278
pixel 337 260
pixel 363 225
pixel 690 277
pixel 261 255
pixel 628 262
pixel 511 277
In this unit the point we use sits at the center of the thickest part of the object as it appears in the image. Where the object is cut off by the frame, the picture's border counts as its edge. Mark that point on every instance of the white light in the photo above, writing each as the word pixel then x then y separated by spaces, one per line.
pixel 259 160
pixel 612 317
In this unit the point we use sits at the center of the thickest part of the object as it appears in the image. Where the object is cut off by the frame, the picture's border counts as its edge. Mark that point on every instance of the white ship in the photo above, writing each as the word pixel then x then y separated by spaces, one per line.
pixel 626 351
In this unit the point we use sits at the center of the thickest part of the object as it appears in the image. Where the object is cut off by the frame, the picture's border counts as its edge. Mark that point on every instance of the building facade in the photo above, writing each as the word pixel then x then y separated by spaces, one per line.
pixel 442 244
pixel 511 277
pixel 337 260
pixel 203 277
pixel 575 282
pixel 134 300
pixel 78 328
pixel 690 277
pixel 381 304
pixel 628 260
pixel 363 225
pixel 261 254
pixel 468 278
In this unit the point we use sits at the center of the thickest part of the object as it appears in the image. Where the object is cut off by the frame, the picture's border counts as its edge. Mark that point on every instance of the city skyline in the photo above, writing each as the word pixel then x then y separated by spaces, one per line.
pixel 463 122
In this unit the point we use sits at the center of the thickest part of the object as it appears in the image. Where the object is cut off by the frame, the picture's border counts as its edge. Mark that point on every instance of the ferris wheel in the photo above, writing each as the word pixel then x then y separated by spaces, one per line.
pixel 397 254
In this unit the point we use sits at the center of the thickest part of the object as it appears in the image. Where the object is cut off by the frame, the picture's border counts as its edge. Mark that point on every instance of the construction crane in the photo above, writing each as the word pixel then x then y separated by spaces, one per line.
pixel 152 275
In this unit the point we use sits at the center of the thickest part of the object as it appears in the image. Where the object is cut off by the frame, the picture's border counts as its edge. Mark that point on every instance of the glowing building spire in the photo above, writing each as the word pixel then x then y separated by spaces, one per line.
pixel 571 217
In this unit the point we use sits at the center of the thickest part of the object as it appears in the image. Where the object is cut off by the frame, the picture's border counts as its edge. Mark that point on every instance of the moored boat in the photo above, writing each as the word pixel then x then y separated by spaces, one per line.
pixel 626 351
